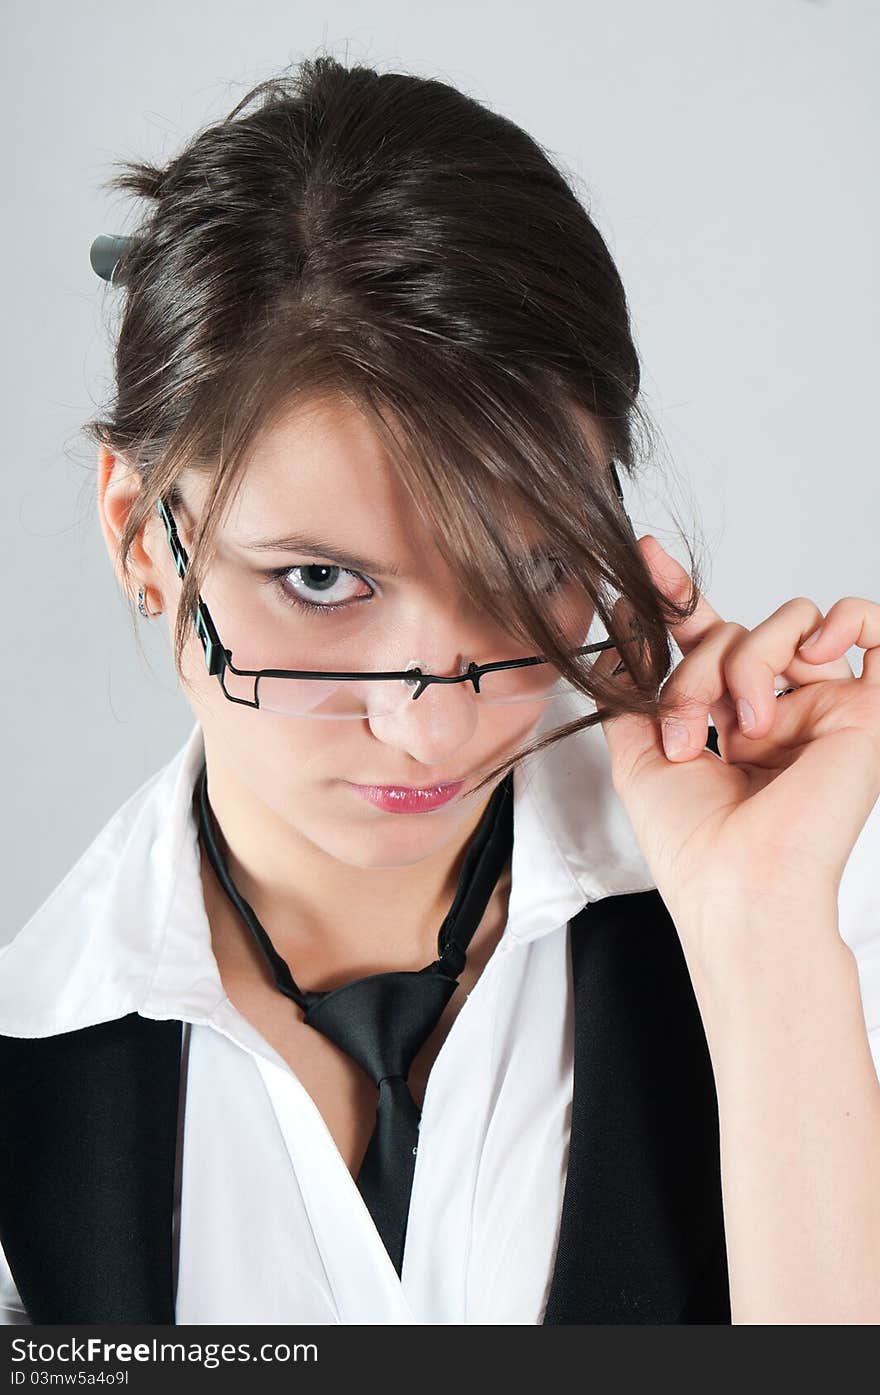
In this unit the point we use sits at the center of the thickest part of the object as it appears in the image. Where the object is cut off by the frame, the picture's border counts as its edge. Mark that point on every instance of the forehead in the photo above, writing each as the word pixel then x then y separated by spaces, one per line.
pixel 322 467
pixel 321 461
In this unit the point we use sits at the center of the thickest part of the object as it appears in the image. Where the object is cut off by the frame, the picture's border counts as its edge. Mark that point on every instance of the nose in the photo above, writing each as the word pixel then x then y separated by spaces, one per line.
pixel 435 725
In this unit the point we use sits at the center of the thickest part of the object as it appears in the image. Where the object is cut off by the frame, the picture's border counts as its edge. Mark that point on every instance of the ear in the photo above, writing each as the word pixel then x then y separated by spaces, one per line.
pixel 118 489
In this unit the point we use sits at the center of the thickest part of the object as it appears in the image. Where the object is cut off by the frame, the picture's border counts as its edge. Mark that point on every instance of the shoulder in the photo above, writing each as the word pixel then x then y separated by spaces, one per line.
pixel 88 950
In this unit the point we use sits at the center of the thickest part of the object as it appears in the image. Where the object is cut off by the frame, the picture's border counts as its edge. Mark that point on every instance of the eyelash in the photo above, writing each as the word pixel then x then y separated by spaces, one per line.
pixel 278 574
pixel 288 597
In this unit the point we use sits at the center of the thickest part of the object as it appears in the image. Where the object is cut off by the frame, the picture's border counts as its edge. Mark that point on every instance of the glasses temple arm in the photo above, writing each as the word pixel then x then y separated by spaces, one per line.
pixel 215 655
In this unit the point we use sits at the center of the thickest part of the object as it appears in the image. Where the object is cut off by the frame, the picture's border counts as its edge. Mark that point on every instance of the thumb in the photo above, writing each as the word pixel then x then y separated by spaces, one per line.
pixel 633 739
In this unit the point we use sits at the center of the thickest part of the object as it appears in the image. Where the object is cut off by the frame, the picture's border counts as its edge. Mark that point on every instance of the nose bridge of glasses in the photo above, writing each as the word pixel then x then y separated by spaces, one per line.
pixel 428 677
pixel 449 668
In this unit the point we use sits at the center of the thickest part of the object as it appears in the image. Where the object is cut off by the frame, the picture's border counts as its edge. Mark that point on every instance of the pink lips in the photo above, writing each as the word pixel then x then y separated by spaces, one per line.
pixel 397 799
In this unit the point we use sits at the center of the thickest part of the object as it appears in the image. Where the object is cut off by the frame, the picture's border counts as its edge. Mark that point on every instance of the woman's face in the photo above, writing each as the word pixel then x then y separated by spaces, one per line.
pixel 280 602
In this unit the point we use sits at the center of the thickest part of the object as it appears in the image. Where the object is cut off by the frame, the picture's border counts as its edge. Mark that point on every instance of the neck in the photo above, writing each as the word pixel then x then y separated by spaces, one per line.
pixel 305 898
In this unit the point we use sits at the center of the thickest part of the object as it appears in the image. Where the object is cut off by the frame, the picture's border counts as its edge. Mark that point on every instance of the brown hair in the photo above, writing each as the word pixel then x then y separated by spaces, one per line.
pixel 389 238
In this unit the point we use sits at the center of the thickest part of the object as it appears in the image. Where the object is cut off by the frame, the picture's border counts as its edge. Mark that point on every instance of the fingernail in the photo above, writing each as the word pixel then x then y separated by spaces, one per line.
pixel 812 639
pixel 675 737
pixel 746 714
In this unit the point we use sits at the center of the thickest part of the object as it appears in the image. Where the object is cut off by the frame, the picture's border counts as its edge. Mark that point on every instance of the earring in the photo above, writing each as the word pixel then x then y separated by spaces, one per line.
pixel 142 606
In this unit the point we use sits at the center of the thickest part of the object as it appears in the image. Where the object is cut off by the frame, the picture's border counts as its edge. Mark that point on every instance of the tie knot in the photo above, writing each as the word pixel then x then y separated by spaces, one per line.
pixel 382 1020
pixel 453 959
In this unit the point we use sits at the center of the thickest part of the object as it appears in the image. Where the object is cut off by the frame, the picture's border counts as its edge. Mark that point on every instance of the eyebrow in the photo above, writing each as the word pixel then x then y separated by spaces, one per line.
pixel 350 561
pixel 316 547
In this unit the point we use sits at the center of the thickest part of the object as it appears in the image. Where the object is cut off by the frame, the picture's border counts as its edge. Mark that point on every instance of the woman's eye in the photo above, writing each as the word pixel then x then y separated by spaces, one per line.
pixel 549 572
pixel 321 587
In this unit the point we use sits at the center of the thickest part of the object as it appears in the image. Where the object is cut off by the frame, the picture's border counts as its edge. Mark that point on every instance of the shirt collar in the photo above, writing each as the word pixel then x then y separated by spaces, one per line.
pixel 126 929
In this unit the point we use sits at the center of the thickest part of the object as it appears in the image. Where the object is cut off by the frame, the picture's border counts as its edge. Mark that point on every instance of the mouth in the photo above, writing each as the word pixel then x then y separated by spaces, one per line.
pixel 409 799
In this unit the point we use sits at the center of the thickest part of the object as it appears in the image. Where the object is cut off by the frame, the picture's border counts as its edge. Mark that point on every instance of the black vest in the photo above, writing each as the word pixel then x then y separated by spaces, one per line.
pixel 88 1130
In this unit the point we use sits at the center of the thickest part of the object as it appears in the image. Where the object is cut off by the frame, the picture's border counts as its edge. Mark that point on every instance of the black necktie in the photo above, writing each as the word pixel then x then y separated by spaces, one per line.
pixel 382 1020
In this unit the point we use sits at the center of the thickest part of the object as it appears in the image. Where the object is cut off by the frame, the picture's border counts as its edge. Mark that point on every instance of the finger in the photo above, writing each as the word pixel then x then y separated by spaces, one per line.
pixel 771 649
pixel 629 735
pixel 794 722
pixel 695 690
pixel 800 671
pixel 673 580
pixel 851 621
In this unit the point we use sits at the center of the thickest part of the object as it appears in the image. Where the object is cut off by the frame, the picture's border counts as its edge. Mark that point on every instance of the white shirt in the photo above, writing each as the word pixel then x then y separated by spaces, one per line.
pixel 270 1224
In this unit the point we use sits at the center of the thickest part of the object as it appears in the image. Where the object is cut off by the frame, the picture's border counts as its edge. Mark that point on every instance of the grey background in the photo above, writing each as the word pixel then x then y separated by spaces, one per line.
pixel 727 150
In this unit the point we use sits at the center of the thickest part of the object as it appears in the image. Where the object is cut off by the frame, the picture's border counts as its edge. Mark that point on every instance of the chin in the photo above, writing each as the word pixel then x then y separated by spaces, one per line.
pixel 391 841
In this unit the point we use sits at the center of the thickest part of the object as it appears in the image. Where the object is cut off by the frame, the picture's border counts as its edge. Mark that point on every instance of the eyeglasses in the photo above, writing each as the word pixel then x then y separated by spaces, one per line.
pixel 329 695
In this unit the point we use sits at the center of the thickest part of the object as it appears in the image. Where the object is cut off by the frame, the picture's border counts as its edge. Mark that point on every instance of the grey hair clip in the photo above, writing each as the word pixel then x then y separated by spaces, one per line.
pixel 106 253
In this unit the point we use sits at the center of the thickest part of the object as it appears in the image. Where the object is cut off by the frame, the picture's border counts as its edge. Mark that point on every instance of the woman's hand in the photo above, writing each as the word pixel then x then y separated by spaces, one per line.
pixel 747 852
pixel 769 826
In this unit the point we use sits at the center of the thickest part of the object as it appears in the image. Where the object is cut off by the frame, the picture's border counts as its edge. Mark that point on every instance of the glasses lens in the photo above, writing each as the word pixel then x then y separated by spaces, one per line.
pixel 531 683
pixel 338 699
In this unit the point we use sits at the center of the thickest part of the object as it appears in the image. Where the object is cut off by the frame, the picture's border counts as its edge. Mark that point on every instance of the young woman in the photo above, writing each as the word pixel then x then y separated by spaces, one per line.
pixel 456 969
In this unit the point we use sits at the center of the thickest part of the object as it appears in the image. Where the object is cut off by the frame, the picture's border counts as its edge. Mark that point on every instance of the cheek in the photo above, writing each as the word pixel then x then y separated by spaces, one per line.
pixel 503 729
pixel 268 751
pixel 577 619
pixel 276 755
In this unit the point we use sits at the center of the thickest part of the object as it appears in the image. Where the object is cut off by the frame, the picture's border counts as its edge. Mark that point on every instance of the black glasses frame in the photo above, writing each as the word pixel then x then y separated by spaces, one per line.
pixel 218 659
